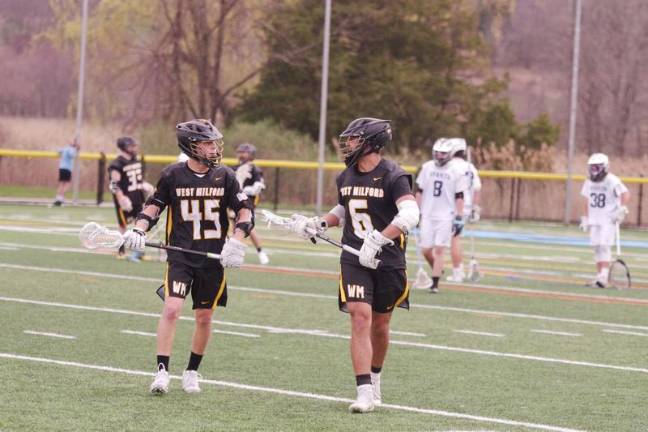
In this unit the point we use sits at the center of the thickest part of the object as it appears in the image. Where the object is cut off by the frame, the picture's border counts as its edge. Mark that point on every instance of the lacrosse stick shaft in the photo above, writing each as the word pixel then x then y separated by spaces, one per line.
pixel 179 249
pixel 347 248
pixel 618 239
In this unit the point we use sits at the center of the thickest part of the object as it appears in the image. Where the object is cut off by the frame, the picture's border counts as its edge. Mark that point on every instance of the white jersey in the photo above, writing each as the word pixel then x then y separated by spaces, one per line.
pixel 473 184
pixel 603 197
pixel 439 185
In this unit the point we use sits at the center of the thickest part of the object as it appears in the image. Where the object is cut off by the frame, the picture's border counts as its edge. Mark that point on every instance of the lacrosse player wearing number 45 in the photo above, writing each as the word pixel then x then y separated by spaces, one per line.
pixel 197 194
pixel 377 209
pixel 605 206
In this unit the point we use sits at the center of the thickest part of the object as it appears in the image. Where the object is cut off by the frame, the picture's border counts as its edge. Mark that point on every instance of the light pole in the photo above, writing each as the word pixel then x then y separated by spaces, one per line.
pixel 573 109
pixel 323 103
pixel 79 113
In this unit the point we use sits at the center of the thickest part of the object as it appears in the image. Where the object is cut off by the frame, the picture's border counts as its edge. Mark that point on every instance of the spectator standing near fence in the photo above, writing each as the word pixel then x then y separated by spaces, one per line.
pixel 67 155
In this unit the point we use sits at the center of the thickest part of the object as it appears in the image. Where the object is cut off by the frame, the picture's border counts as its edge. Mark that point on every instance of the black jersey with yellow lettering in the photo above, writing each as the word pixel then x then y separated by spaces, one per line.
pixel 131 180
pixel 197 210
pixel 369 200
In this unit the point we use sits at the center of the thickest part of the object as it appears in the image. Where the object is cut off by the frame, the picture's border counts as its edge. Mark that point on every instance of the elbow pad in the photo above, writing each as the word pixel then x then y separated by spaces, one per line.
pixel 459 195
pixel 407 216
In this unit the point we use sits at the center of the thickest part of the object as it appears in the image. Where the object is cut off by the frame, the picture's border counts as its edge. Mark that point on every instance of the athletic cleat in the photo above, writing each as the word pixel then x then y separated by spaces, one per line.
pixel 364 403
pixel 595 284
pixel 263 258
pixel 375 385
pixel 190 381
pixel 434 290
pixel 456 279
pixel 160 384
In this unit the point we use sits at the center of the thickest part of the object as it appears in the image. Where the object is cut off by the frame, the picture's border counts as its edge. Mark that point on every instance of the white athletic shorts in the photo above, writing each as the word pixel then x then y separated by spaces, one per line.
pixel 435 233
pixel 602 235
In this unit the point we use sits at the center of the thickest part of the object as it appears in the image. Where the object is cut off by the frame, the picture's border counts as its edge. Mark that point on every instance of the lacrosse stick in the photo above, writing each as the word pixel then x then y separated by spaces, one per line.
pixel 422 281
pixel 619 276
pixel 473 266
pixel 287 223
pixel 95 236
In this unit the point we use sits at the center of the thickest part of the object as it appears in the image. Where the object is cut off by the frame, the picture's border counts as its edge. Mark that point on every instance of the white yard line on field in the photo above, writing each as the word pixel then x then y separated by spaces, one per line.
pixel 629 333
pixel 292 393
pixel 330 297
pixel 557 333
pixel 479 333
pixel 402 333
pixel 139 333
pixel 324 333
pixel 48 334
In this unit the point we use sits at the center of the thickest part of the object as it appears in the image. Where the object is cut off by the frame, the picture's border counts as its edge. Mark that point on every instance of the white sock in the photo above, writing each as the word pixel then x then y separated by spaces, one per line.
pixel 375 377
pixel 605 273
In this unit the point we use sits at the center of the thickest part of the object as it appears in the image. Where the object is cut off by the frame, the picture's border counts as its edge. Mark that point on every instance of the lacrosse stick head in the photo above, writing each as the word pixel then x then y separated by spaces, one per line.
pixel 275 219
pixel 95 236
pixel 422 281
pixel 473 270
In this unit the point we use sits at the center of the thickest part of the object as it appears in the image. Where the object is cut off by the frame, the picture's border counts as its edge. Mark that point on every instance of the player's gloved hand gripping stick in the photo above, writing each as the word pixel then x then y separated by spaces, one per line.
pixel 95 236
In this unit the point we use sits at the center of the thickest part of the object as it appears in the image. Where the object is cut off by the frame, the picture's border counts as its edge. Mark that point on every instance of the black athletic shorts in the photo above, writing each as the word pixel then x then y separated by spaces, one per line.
pixel 382 289
pixel 65 174
pixel 207 286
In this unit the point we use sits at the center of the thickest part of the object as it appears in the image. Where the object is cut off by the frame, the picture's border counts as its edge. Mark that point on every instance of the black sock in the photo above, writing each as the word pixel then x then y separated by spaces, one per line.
pixel 258 249
pixel 363 379
pixel 122 250
pixel 194 361
pixel 163 360
pixel 376 369
pixel 435 281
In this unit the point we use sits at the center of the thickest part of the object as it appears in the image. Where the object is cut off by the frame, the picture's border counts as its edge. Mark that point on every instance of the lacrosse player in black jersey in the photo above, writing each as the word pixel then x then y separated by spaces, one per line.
pixel 127 186
pixel 250 177
pixel 377 208
pixel 197 194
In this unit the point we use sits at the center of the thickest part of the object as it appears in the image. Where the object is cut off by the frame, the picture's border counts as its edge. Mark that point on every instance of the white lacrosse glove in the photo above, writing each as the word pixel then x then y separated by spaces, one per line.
pixel 135 239
pixel 475 214
pixel 306 228
pixel 254 189
pixel 618 214
pixel 373 244
pixel 584 223
pixel 125 203
pixel 233 253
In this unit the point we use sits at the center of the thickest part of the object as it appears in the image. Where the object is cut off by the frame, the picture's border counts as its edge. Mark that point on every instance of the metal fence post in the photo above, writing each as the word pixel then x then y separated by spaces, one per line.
pixel 640 205
pixel 276 189
pixel 510 217
pixel 517 198
pixel 101 177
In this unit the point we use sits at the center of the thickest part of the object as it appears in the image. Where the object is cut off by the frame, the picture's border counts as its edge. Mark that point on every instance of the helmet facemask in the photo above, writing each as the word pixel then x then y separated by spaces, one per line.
pixel 597 172
pixel 200 151
pixel 351 148
pixel 441 158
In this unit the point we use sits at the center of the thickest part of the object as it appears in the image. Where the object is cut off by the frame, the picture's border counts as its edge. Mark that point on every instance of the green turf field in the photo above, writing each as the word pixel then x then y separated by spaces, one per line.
pixel 526 348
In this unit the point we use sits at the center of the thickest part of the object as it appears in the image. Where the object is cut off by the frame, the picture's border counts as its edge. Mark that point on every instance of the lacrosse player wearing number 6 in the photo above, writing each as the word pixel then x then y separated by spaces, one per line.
pixel 197 194
pixel 377 209
pixel 605 206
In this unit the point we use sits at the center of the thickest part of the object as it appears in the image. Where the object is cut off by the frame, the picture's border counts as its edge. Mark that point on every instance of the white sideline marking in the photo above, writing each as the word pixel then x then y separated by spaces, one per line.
pixel 557 333
pixel 403 333
pixel 625 332
pixel 54 335
pixel 323 333
pixel 329 297
pixel 249 335
pixel 139 333
pixel 478 333
pixel 304 395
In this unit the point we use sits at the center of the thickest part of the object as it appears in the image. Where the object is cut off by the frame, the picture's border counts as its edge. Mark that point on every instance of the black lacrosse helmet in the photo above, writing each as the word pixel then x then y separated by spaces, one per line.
pixel 372 133
pixel 248 148
pixel 192 132
pixel 127 145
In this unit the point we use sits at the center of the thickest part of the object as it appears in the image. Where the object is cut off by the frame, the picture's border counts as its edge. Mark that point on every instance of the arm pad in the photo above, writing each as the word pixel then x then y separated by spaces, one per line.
pixel 459 195
pixel 113 186
pixel 407 216
pixel 151 221
pixel 339 212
